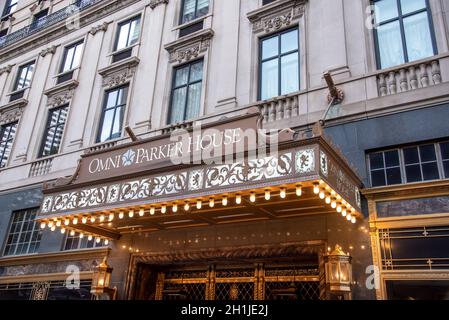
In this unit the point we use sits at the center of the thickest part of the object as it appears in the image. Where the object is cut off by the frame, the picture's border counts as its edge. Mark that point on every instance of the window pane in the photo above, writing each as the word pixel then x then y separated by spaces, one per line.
pixel 178 104
pixel 430 171
pixel 194 102
pixel 122 41
pixel 135 32
pixel 413 173
pixel 445 150
pixel 182 76
pixel 289 41
pixel 386 10
pixel 117 126
pixel 394 176
pixel 392 158
pixel 427 153
pixel 378 178
pixel 409 6
pixel 376 161
pixel 270 86
pixel 289 73
pixel 390 45
pixel 446 169
pixel 107 125
pixel 68 59
pixel 411 155
pixel 418 38
pixel 196 72
pixel 270 48
pixel 188 10
pixel 77 58
pixel 203 7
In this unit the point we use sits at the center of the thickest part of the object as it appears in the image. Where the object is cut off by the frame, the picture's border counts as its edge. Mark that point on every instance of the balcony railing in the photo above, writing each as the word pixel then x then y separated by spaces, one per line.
pixel 40 167
pixel 46 22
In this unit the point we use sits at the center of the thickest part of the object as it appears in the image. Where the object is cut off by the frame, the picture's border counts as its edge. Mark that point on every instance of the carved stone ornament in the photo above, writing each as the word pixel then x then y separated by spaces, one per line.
pixel 187 49
pixel 6 69
pixel 50 50
pixel 279 15
pixel 10 115
pixel 155 3
pixel 120 73
pixel 60 98
pixel 102 27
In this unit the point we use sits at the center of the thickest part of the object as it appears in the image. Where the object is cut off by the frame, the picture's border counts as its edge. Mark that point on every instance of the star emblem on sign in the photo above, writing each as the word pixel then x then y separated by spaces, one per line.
pixel 128 158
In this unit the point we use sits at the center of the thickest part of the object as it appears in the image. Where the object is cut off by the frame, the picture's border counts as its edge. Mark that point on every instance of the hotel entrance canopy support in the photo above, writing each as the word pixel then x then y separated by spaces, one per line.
pixel 156 184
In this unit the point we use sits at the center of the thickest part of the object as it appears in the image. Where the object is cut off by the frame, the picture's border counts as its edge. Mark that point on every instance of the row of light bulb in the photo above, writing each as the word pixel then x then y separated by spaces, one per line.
pixel 335 201
pixel 52 225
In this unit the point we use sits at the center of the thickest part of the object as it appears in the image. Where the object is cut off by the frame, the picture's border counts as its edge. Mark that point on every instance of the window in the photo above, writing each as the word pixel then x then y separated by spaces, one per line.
pixel 112 115
pixel 39 19
pixel 10 7
pixel 193 9
pixel 3 33
pixel 264 2
pixel 72 57
pixel 404 31
pixel 74 242
pixel 409 164
pixel 24 76
pixel 128 33
pixel 279 64
pixel 53 131
pixel 24 234
pixel 7 134
pixel 186 92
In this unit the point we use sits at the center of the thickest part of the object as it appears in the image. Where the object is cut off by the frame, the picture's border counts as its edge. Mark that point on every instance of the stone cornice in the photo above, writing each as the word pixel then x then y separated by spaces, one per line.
pixel 119 73
pixel 155 3
pixel 17 103
pixel 189 47
pixel 6 69
pixel 68 85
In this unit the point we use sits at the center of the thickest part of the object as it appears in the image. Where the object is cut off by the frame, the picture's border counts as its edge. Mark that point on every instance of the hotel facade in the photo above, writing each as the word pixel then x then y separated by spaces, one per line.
pixel 342 194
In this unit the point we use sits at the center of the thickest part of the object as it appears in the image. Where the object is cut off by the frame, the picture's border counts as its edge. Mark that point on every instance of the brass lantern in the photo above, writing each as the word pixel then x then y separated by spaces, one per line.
pixel 338 272
pixel 101 280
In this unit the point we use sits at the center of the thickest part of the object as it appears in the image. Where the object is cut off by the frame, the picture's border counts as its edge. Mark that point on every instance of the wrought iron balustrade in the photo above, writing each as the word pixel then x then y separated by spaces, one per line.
pixel 47 21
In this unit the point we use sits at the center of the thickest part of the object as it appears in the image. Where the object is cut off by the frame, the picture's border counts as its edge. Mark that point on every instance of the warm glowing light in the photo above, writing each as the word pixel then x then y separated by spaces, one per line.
pixel 328 200
pixel 121 215
pixel 211 202
pixel 224 201
pixel 344 212
pixel 322 195
pixel 75 220
pixel 102 218
pixel 131 213
pixel 141 212
pixel 283 193
pixel 81 235
pixel 334 203
pixel 349 217
pixel 43 225
pixel 53 228
pixel 163 208
pixel 238 199
pixel 152 211
pixel 267 195
pixel 98 240
pixel 353 220
pixel 299 190
pixel 199 204
pixel 72 233
pixel 67 222
pixel 106 242
pixel 92 219
pixel 84 220
pixel 352 210
pixel 62 230
pixel 175 207
pixel 316 188
pixel 111 216
pixel 252 197
pixel 50 224
pixel 187 207
pixel 58 223
pixel 89 238
pixel 339 208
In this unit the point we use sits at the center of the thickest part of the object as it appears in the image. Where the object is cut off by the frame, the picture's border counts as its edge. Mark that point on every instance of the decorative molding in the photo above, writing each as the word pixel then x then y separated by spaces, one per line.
pixel 61 94
pixel 119 73
pixel 102 27
pixel 50 50
pixel 155 3
pixel 10 115
pixel 188 48
pixel 278 15
pixel 6 69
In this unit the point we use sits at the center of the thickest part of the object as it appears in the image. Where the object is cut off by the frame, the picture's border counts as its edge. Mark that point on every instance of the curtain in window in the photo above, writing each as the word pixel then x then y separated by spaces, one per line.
pixel 418 37
pixel 390 45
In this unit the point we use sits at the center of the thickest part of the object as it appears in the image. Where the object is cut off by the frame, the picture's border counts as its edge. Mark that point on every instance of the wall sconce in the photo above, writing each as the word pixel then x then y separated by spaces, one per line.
pixel 338 273
pixel 101 280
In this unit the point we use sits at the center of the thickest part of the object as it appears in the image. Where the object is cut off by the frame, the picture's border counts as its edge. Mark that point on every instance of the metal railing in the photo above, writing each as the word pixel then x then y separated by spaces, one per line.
pixel 46 22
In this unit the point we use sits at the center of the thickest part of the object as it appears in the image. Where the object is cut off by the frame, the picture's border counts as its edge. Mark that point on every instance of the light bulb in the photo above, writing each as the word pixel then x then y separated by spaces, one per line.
pixel 131 213
pixel 349 217
pixel 175 207
pixel 106 242
pixel 152 211
pixel 53 228
pixel 199 204
pixel 84 220
pixel 334 203
pixel 328 200
pixel 98 240
pixel 316 188
pixel 187 207
pixel 141 212
pixel 50 224
pixel 353 220
pixel 352 210
pixel 81 235
pixel 102 218
pixel 344 212
pixel 72 233
pixel 339 208
pixel 89 238
pixel 121 215
pixel 62 230
pixel 67 222
pixel 211 202
pixel 252 197
pixel 224 201
pixel 283 193
pixel 238 199
pixel 322 195
pixel 299 190
pixel 58 223
pixel 75 220
pixel 111 216
pixel 92 219
pixel 43 225
pixel 267 195
pixel 163 209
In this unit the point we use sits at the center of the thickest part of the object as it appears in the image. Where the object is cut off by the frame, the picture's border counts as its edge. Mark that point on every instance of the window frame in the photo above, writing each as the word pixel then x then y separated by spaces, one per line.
pixel 80 245
pixel 400 18
pixel 2 151
pixel 47 127
pixel 181 16
pixel 19 72
pixel 65 54
pixel 400 149
pixel 278 57
pixel 7 8
pixel 103 112
pixel 117 32
pixel 174 87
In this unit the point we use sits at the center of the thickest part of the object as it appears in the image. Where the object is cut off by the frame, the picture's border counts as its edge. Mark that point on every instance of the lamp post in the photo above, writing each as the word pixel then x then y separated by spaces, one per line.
pixel 101 280
pixel 338 274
